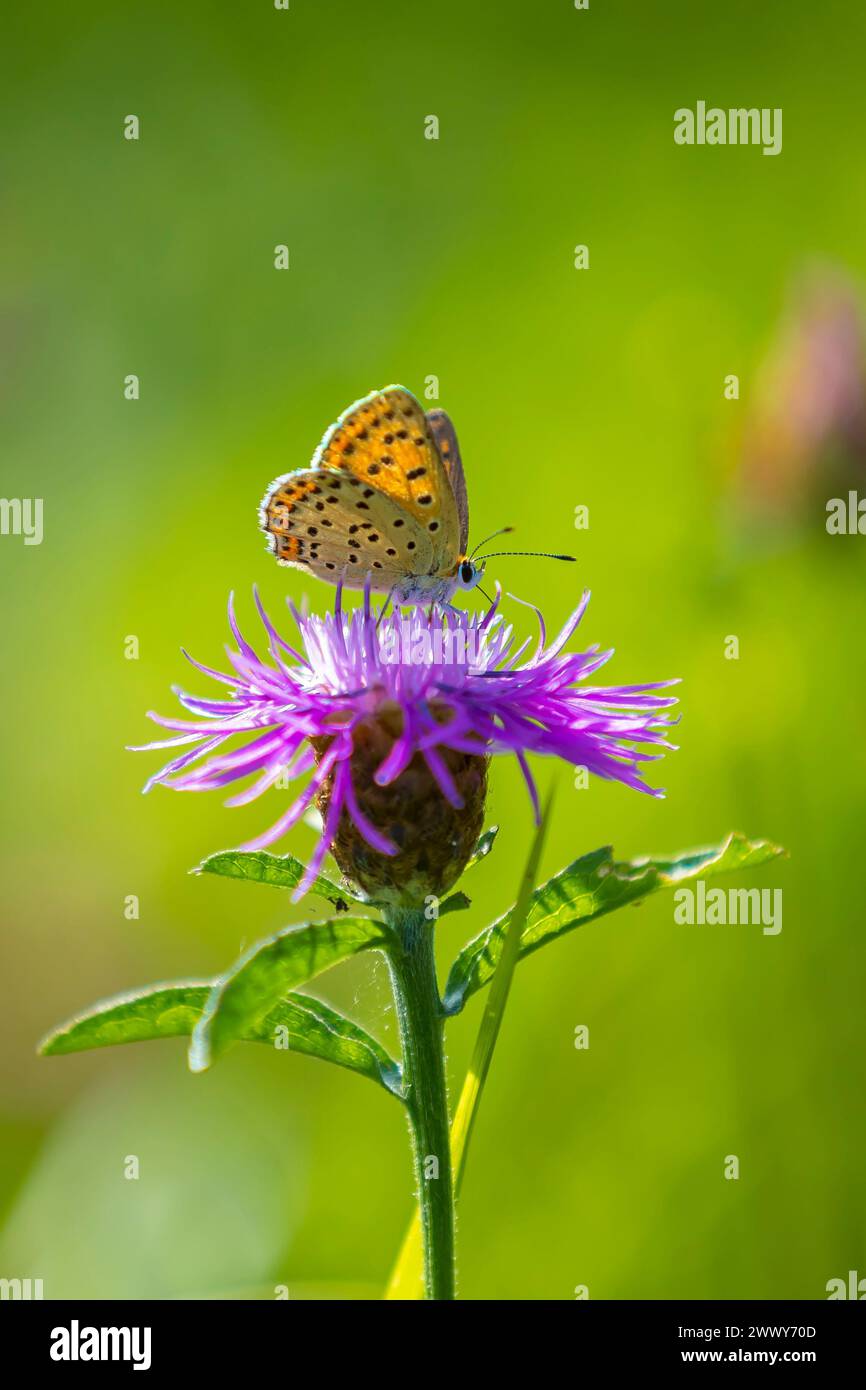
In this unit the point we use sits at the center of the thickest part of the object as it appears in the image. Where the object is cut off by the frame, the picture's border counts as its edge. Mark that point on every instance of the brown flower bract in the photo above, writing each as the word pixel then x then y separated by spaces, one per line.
pixel 435 839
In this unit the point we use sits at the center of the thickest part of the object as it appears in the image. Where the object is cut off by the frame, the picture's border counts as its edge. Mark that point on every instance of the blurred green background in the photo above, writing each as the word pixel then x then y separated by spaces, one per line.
pixel 602 387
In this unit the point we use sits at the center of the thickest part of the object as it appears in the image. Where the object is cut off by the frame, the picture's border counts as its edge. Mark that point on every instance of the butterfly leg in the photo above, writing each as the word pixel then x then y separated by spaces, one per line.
pixel 384 608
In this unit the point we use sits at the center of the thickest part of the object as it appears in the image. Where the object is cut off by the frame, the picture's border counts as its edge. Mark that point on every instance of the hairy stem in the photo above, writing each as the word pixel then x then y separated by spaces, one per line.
pixel 421 1020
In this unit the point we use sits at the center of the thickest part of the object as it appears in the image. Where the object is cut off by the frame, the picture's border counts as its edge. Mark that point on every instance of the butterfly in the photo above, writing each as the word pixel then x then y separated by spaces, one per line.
pixel 383 502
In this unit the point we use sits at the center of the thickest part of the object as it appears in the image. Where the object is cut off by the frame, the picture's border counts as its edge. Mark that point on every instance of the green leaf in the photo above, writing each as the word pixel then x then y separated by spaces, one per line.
pixel 262 976
pixel 406 1280
pixel 588 888
pixel 173 1010
pixel 277 870
pixel 320 1031
pixel 483 846
pixel 458 902
pixel 156 1011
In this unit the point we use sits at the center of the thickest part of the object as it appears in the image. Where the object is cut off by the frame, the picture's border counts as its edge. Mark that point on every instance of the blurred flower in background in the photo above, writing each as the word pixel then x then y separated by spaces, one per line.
pixel 805 436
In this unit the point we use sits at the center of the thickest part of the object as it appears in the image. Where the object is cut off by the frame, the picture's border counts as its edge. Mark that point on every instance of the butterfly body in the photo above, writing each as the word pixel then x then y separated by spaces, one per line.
pixel 383 503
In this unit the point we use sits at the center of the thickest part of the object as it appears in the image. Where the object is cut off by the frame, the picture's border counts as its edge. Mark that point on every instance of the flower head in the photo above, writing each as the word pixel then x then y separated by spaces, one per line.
pixel 396 720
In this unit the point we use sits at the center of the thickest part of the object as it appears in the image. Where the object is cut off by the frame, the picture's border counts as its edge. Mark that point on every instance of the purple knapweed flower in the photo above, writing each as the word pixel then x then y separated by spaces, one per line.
pixel 396 719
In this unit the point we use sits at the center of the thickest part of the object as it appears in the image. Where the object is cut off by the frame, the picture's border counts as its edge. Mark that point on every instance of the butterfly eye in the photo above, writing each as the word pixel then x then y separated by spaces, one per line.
pixel 467 572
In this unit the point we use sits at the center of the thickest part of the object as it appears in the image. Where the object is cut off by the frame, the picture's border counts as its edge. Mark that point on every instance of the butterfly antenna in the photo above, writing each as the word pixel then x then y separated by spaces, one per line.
pixel 503 531
pixel 538 554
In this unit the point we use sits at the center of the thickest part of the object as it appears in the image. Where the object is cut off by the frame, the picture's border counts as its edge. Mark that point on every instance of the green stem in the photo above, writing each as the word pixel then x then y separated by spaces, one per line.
pixel 421 1019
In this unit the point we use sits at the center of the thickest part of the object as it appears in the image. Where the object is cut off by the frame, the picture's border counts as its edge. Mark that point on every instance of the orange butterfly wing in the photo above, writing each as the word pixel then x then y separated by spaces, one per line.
pixel 445 439
pixel 339 528
pixel 385 440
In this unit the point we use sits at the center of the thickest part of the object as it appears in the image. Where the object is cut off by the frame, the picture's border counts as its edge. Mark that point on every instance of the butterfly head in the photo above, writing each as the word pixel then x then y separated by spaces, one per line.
pixel 468 574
